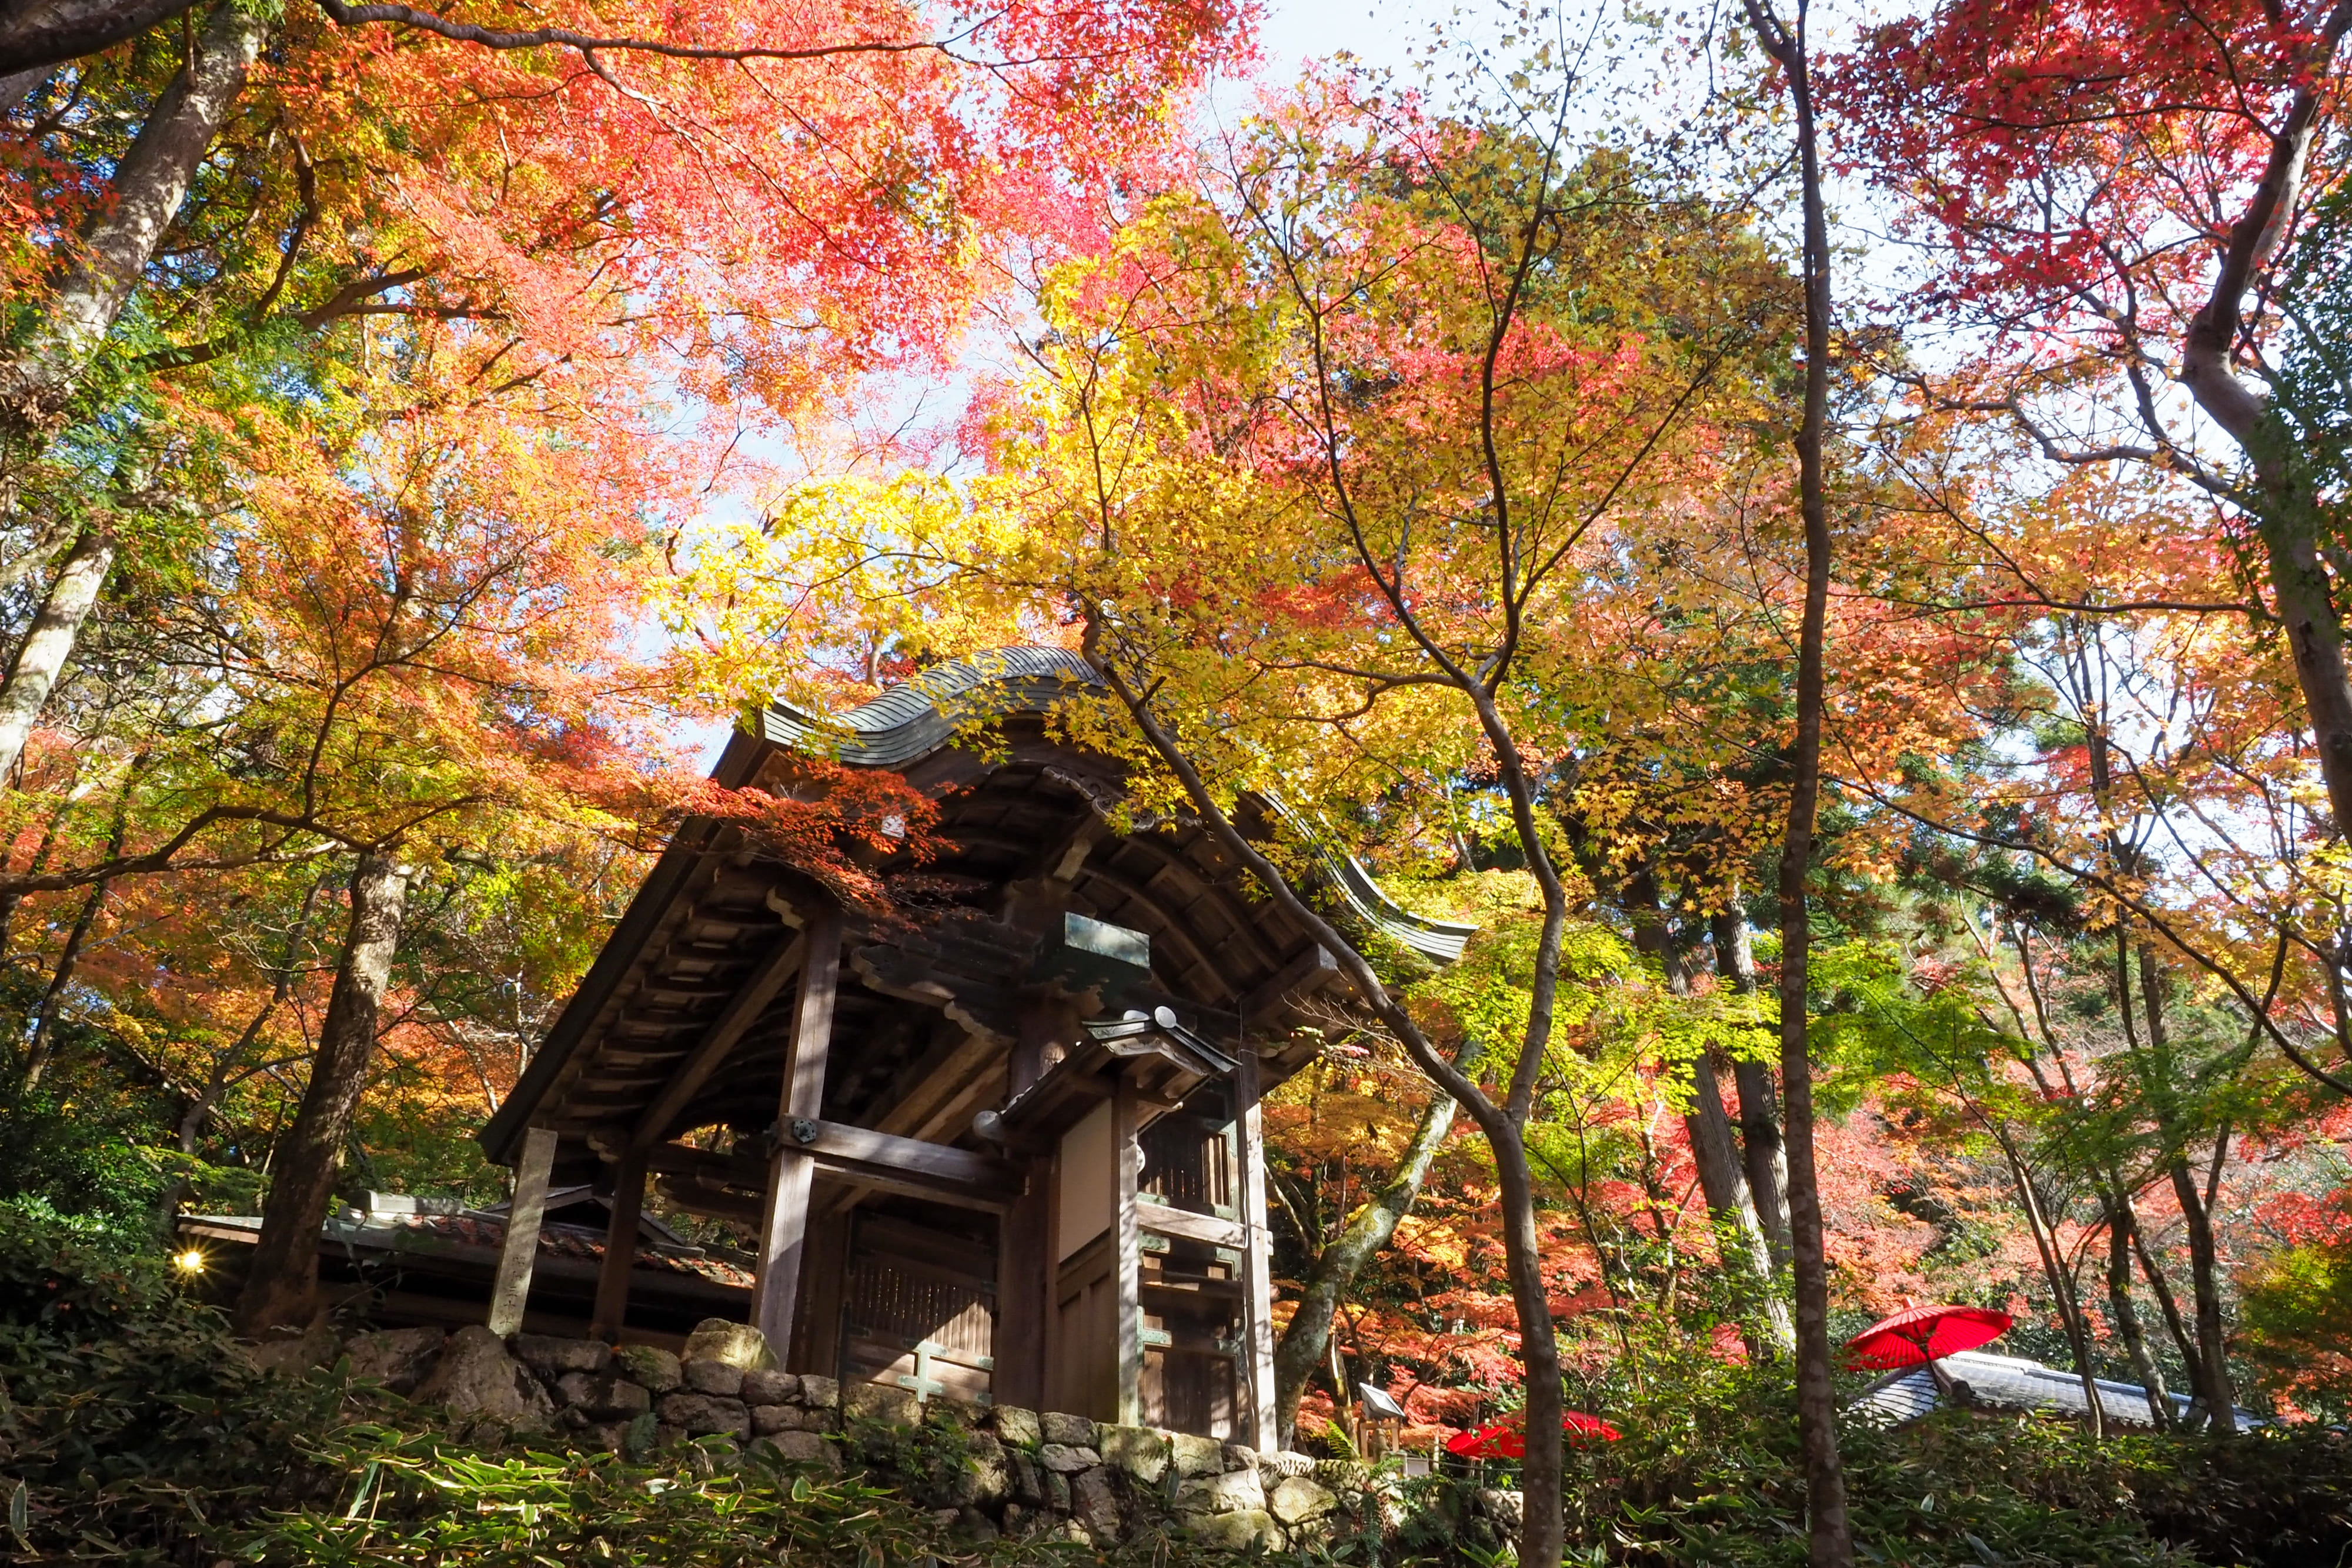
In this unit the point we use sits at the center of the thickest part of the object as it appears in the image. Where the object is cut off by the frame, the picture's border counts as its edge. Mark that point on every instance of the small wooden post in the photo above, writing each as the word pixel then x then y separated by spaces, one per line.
pixel 791 1169
pixel 611 1310
pixel 1126 1156
pixel 521 1248
pixel 1023 1302
pixel 1257 1261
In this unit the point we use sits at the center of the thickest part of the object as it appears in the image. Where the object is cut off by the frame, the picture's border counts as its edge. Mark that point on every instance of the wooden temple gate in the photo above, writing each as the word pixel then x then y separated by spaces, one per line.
pixel 1005 1147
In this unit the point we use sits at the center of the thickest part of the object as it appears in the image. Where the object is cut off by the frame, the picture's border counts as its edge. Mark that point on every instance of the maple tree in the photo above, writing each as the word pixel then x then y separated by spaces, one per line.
pixel 339 331
pixel 1900 870
pixel 2118 201
pixel 1255 471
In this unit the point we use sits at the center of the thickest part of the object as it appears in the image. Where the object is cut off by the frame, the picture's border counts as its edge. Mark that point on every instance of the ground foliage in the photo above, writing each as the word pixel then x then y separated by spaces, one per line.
pixel 136 1432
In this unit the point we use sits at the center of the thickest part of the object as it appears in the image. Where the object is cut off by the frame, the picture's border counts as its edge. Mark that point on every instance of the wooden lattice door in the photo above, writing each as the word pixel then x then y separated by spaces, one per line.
pixel 919 1308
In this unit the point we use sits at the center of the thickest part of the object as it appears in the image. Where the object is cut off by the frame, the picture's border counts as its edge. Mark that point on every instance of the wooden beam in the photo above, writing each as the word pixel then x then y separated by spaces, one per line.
pixel 862 1153
pixel 750 1001
pixel 611 1310
pixel 936 1078
pixel 1160 1219
pixel 1257 1367
pixel 783 1233
pixel 520 1251
pixel 1127 1264
pixel 1303 975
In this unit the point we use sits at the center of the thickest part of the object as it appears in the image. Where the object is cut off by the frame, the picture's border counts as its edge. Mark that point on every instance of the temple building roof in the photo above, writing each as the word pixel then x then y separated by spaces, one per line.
pixel 680 1025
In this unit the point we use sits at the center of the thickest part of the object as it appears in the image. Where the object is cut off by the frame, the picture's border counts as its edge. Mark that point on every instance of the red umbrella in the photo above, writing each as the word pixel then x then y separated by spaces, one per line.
pixel 1507 1439
pixel 1918 1335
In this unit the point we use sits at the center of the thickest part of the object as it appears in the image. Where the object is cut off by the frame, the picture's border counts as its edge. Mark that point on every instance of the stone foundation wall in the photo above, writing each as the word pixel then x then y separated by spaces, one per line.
pixel 992 1468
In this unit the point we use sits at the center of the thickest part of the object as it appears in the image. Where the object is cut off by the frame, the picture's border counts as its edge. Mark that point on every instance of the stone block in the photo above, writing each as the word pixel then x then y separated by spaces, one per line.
pixel 648 1365
pixel 610 1437
pixel 1196 1456
pixel 1057 1491
pixel 765 1385
pixel 1233 1491
pixel 1505 1506
pixel 291 1354
pixel 1018 1427
pixel 475 1377
pixel 721 1379
pixel 1295 1500
pixel 738 1344
pixel 1138 1450
pixel 397 1358
pixel 603 1396
pixel 1094 1502
pixel 880 1402
pixel 551 1356
pixel 1240 1456
pixel 1249 1530
pixel 767 1420
pixel 975 1525
pixel 969 1414
pixel 1070 1431
pixel 1065 1460
pixel 820 1393
pixel 1028 1478
pixel 807 1449
pixel 987 1470
pixel 702 1416
pixel 667 1436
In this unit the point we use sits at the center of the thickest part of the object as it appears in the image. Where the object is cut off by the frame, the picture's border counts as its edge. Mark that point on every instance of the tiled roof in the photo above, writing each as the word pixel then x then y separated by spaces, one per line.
pixel 914 719
pixel 2012 1383
pixel 910 720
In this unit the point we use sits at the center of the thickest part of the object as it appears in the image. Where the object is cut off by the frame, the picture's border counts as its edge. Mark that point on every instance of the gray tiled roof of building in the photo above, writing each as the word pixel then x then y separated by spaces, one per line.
pixel 2012 1383
pixel 912 720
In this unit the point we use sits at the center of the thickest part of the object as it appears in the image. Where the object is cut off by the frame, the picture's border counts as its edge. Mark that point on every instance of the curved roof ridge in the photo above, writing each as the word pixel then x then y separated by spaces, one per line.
pixel 912 720
pixel 920 716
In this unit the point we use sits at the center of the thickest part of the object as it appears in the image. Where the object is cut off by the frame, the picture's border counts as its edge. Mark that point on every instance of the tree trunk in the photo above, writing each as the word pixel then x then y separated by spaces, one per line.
pixel 1367 1231
pixel 44 1042
pixel 281 1288
pixel 50 642
pixel 2212 1363
pixel 1829 1530
pixel 1761 1150
pixel 2182 1340
pixel 40 35
pixel 2299 589
pixel 2062 1293
pixel 36 1054
pixel 1740 1229
pixel 1542 1535
pixel 1722 1181
pixel 39 373
pixel 2213 1388
pixel 2120 1222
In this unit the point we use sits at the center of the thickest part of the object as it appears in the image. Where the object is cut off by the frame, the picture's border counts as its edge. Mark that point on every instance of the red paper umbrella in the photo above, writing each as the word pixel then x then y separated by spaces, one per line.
pixel 1507 1439
pixel 1922 1335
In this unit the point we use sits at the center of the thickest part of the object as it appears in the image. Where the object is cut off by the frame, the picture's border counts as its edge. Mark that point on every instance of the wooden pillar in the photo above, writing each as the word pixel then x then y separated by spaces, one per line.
pixel 521 1248
pixel 1258 1263
pixel 791 1169
pixel 816 1338
pixel 1024 1293
pixel 1127 1244
pixel 612 1311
